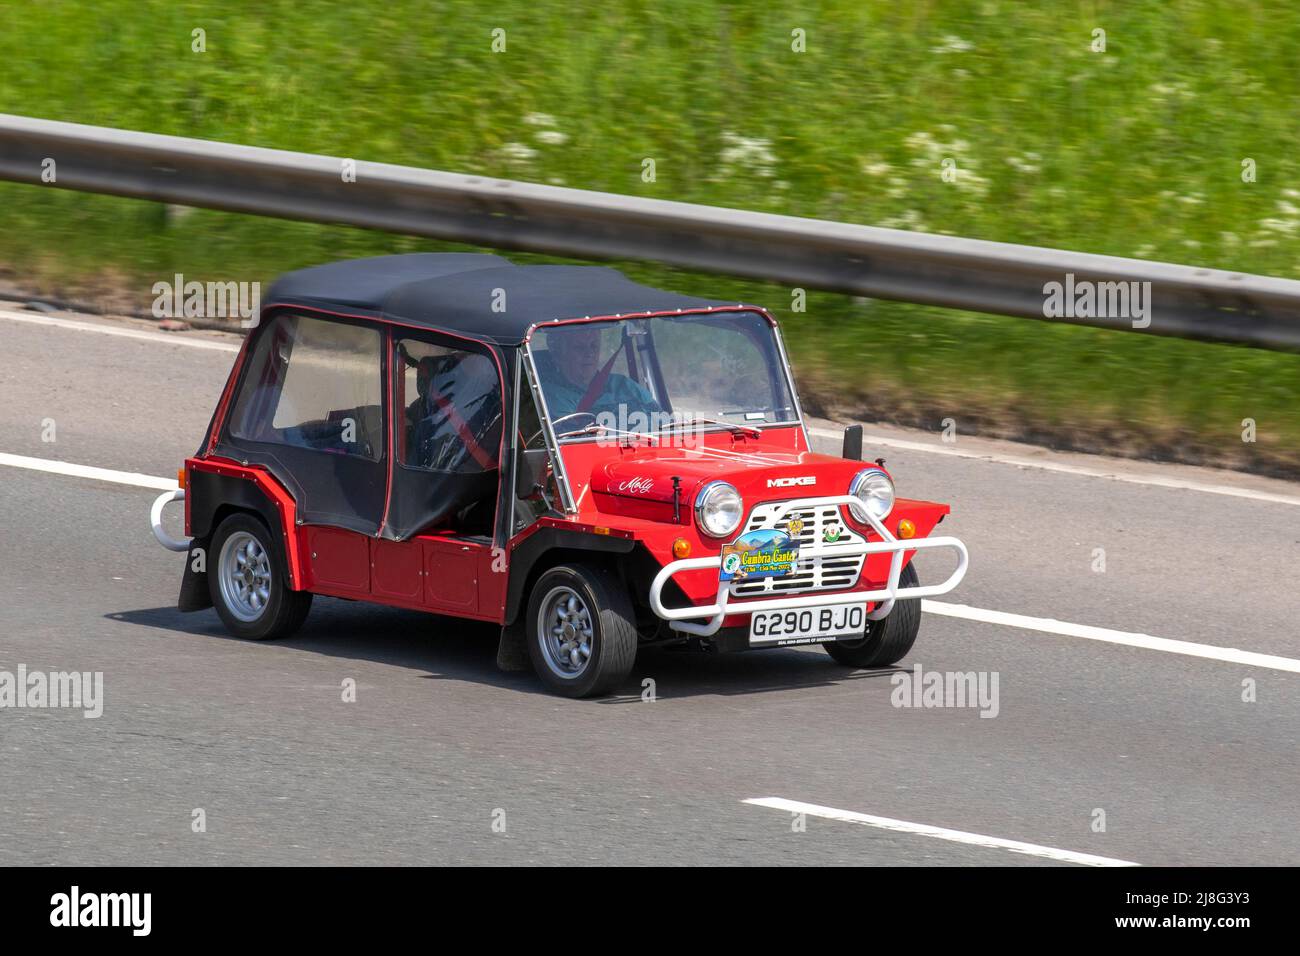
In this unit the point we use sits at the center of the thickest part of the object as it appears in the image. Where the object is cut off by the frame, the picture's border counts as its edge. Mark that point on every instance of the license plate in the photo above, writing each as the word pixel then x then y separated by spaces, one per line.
pixel 807 625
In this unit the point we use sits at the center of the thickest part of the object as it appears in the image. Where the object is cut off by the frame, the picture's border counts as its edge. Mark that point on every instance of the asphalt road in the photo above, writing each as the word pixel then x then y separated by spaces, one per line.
pixel 439 745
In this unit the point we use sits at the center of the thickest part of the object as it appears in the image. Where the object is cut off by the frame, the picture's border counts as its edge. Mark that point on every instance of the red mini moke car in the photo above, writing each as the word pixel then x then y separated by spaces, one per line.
pixel 592 464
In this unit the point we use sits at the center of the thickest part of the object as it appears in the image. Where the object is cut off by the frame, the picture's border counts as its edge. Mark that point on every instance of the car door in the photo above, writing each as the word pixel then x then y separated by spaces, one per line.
pixel 447 408
pixel 309 409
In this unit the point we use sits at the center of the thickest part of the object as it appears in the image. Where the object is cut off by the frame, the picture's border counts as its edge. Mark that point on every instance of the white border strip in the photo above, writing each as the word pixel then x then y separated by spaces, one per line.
pixel 167 338
pixel 922 829
pixel 87 471
pixel 1132 479
pixel 1049 625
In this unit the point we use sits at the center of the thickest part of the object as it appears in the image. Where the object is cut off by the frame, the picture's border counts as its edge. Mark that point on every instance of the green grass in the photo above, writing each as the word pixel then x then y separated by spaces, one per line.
pixel 1135 151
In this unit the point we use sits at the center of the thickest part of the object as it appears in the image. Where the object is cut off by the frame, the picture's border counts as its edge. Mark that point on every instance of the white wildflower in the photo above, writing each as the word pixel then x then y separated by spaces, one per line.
pixel 517 152
pixel 932 153
pixel 908 220
pixel 754 154
pixel 1286 227
pixel 953 44
pixel 1177 90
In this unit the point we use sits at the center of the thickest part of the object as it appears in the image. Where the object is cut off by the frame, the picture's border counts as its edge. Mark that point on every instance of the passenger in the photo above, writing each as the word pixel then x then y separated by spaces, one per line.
pixel 416 410
pixel 454 423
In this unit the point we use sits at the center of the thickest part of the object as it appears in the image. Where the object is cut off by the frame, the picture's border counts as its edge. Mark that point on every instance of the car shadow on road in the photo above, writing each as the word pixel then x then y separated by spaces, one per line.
pixel 442 648
pixel 455 649
pixel 679 672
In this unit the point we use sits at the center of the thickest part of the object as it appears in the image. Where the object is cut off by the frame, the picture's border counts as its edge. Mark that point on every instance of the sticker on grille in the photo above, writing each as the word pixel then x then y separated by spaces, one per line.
pixel 819 568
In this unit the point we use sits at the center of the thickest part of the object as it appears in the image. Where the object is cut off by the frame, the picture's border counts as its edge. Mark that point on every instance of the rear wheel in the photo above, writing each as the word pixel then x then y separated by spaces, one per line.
pixel 582 636
pixel 249 582
pixel 888 640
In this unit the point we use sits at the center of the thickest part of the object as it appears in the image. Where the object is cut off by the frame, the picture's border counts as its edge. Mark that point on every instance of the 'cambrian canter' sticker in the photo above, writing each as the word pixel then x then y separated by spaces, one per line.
pixel 765 553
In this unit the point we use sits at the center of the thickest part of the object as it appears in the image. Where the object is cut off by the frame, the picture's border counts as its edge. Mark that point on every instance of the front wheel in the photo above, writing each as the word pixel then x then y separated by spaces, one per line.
pixel 248 581
pixel 885 641
pixel 582 636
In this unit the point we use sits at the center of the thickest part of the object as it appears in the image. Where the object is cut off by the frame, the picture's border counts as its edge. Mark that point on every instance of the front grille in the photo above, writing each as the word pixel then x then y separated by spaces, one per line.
pixel 819 568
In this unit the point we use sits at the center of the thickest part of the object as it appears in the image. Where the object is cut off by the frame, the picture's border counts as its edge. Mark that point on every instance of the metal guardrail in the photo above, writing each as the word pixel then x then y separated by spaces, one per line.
pixel 970 274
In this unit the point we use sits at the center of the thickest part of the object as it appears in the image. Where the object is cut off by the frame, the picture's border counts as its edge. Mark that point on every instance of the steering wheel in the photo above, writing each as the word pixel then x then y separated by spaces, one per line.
pixel 562 418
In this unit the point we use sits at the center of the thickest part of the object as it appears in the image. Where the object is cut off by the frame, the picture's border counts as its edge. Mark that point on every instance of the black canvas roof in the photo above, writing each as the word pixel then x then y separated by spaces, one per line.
pixel 456 292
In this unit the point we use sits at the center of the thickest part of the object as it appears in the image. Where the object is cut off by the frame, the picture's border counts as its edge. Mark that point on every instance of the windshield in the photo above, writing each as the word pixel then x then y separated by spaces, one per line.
pixel 650 375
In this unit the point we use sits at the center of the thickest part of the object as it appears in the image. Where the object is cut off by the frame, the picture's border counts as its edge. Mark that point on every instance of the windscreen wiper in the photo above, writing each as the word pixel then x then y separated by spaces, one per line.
pixel 594 428
pixel 733 427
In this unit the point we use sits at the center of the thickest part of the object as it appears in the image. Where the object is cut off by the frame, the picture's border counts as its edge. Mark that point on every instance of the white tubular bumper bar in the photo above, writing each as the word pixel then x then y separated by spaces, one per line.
pixel 679 617
pixel 155 519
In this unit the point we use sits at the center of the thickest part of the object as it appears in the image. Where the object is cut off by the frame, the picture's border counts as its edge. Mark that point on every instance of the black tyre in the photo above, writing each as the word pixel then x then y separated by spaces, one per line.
pixel 888 640
pixel 582 636
pixel 248 580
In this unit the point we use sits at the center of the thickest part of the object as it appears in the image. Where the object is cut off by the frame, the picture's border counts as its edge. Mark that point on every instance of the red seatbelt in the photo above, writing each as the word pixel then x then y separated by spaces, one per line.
pixel 597 384
pixel 463 430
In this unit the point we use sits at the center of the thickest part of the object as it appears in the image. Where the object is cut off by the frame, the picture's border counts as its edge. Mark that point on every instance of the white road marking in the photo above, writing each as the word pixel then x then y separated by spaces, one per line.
pixel 1046 625
pixel 86 471
pixel 1129 478
pixel 941 833
pixel 1049 625
pixel 1135 479
pixel 168 338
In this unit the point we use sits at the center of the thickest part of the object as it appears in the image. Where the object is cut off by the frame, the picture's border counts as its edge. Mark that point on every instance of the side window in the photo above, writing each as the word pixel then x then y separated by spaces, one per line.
pixel 314 384
pixel 449 401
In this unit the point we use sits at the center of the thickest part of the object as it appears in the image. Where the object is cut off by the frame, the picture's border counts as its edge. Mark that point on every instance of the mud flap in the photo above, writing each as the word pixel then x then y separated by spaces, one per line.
pixel 194 594
pixel 512 651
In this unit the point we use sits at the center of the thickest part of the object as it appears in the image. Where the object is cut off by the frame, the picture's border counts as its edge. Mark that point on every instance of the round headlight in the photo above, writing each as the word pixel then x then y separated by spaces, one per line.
pixel 875 490
pixel 718 509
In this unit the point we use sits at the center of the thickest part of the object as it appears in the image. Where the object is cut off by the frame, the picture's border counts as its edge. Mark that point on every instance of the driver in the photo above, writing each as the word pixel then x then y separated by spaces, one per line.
pixel 576 378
